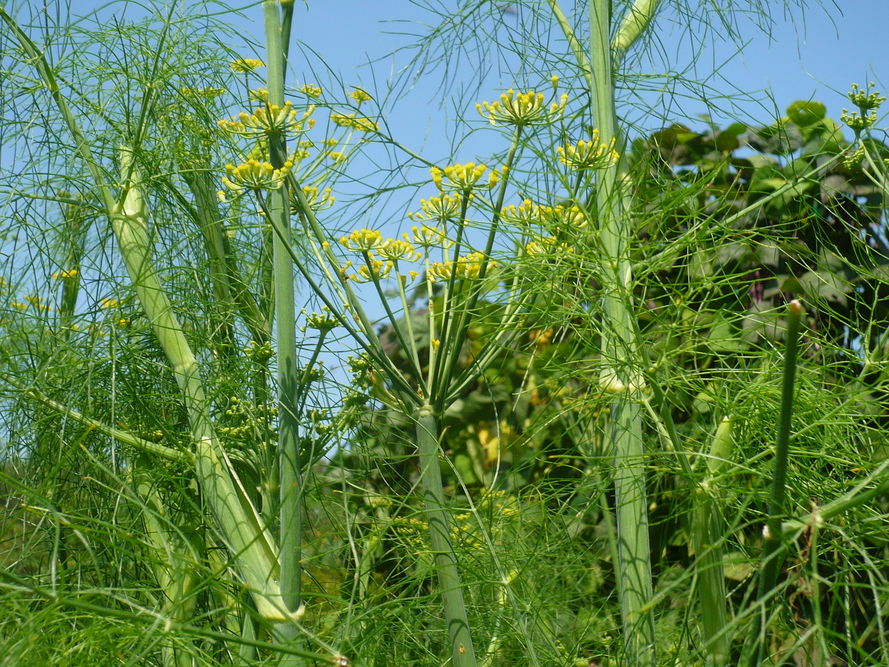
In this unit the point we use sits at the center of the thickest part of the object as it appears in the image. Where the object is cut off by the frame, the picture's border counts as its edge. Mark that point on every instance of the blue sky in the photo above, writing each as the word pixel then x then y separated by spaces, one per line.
pixel 815 53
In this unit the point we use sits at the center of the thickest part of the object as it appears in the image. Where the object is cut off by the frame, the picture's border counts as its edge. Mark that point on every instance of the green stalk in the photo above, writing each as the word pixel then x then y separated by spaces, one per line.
pixel 619 374
pixel 448 300
pixel 768 575
pixel 459 636
pixel 856 497
pixel 285 330
pixel 707 534
pixel 409 327
pixel 174 566
pixel 241 527
pixel 636 20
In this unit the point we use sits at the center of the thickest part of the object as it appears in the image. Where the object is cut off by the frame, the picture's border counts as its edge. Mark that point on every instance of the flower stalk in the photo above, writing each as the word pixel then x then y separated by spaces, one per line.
pixel 278 212
pixel 459 636
pixel 772 554
pixel 620 375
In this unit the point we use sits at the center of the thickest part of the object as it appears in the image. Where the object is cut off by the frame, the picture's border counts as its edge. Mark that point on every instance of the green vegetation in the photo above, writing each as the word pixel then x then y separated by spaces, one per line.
pixel 608 395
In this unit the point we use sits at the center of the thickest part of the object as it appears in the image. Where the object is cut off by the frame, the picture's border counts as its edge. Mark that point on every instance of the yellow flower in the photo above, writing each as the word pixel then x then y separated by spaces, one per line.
pixel 429 237
pixel 337 156
pixel 496 175
pixel 537 247
pixel 363 240
pixel 37 302
pixel 18 305
pixel 311 90
pixel 270 119
pixel 395 250
pixel 563 215
pixel 360 95
pixel 207 93
pixel 461 177
pixel 591 154
pixel 322 321
pixel 524 214
pixel 255 175
pixel 259 94
pixel 109 303
pixel 373 269
pixel 439 209
pixel 245 65
pixel 528 108
pixel 354 122
pixel 64 275
pixel 545 245
pixel 467 267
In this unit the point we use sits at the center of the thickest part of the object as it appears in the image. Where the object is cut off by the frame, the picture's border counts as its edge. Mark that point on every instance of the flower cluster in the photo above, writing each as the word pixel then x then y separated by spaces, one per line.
pixel 316 199
pixel 311 90
pixel 464 268
pixel 372 270
pixel 205 93
pixel 462 177
pixel 270 119
pixel 360 95
pixel 322 321
pixel 867 104
pixel 248 420
pixel 255 175
pixel 65 275
pixel 38 303
pixel 568 216
pixel 524 214
pixel 354 122
pixel 439 209
pixel 260 353
pixel 245 65
pixel 546 245
pixel 362 240
pixel 522 109
pixel 395 250
pixel 593 154
pixel 380 255
pixel 430 237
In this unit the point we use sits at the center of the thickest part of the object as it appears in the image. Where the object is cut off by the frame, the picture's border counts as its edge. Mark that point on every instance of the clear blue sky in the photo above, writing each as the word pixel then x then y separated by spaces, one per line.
pixel 814 53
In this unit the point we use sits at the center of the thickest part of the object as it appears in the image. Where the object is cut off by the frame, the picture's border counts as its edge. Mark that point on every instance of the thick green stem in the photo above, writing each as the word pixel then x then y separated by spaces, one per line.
pixel 285 331
pixel 620 374
pixel 240 525
pixel 772 559
pixel 631 509
pixel 707 531
pixel 459 636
